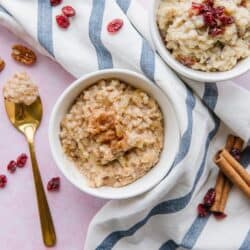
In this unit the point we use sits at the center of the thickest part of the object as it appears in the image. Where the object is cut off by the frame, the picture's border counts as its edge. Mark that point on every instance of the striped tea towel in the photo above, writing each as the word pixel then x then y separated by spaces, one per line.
pixel 165 217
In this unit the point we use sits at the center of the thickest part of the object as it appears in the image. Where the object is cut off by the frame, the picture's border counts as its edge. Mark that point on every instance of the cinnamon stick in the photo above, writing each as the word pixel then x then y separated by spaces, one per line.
pixel 223 185
pixel 219 191
pixel 226 189
pixel 236 166
pixel 234 171
pixel 230 142
pixel 238 144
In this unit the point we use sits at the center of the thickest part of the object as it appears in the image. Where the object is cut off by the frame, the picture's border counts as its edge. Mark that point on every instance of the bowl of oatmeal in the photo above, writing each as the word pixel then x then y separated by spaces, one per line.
pixel 114 134
pixel 203 40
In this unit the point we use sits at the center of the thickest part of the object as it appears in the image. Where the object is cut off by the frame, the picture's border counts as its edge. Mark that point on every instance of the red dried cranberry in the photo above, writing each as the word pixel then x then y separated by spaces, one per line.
pixel 226 20
pixel 21 160
pixel 68 11
pixel 216 31
pixel 209 198
pixel 219 215
pixel 11 167
pixel 62 21
pixel 215 18
pixel 3 181
pixel 235 153
pixel 202 210
pixel 115 25
pixel 53 184
pixel 218 11
pixel 209 19
pixel 55 2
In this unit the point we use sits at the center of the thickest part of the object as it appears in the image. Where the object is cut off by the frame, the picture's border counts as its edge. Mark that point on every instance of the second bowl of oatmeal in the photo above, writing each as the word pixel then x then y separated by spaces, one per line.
pixel 203 40
pixel 114 134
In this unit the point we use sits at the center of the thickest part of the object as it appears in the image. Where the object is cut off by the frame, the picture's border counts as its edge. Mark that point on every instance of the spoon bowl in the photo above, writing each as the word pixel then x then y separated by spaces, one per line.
pixel 22 115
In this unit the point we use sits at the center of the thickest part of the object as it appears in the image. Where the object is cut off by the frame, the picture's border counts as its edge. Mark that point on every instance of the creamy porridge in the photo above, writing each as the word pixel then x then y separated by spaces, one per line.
pixel 20 89
pixel 113 133
pixel 209 35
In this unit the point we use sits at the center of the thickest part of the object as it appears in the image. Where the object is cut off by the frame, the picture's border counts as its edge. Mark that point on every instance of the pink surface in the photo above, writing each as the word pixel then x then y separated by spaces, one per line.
pixel 72 210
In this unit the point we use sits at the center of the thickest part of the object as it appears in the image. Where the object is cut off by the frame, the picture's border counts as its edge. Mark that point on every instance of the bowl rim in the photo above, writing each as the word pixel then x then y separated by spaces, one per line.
pixel 52 122
pixel 240 68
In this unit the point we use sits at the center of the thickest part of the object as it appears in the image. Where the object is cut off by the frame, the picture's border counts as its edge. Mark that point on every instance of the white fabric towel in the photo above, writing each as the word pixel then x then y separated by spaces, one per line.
pixel 165 217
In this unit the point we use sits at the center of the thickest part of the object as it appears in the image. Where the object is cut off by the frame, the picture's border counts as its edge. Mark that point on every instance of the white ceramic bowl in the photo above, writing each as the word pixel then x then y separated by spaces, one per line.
pixel 171 140
pixel 241 67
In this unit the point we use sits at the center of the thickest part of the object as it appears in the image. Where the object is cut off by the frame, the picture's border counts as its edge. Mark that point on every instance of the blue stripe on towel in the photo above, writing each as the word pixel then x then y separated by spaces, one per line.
pixel 169 245
pixel 2 9
pixel 104 57
pixel 147 61
pixel 124 5
pixel 44 25
pixel 170 206
pixel 194 232
pixel 210 95
pixel 190 237
pixel 246 243
pixel 245 157
pixel 186 138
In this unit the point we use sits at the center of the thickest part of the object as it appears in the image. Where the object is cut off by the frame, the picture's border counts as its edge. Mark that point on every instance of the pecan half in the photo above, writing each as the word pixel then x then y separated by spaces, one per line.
pixel 2 64
pixel 23 54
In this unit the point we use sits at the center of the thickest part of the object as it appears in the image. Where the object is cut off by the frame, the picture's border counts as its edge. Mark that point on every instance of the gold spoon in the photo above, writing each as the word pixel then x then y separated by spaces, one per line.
pixel 27 118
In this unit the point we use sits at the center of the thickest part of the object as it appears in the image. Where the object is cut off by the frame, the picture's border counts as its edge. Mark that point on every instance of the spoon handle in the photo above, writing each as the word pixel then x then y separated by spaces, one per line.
pixel 48 231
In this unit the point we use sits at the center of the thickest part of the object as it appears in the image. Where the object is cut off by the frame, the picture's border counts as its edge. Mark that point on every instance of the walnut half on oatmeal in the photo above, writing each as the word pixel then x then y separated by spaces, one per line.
pixel 20 89
pixel 113 133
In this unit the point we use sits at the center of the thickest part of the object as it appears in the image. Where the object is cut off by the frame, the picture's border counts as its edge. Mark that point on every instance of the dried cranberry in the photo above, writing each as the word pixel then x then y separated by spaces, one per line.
pixel 209 198
pixel 218 11
pixel 235 153
pixel 209 19
pixel 115 25
pixel 219 215
pixel 62 21
pixel 21 160
pixel 11 167
pixel 215 18
pixel 216 31
pixel 55 2
pixel 68 11
pixel 53 184
pixel 202 210
pixel 3 181
pixel 226 20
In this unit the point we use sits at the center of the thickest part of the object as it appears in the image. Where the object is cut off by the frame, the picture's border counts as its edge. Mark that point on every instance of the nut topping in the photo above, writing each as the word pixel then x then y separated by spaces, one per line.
pixel 23 54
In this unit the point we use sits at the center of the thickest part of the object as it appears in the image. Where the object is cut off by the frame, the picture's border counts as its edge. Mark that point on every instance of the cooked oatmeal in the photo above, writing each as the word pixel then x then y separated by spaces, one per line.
pixel 20 89
pixel 113 133
pixel 206 35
